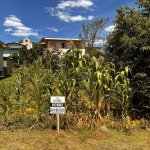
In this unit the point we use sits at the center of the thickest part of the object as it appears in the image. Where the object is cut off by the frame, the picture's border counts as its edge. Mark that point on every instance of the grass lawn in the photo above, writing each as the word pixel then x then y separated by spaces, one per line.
pixel 7 78
pixel 49 139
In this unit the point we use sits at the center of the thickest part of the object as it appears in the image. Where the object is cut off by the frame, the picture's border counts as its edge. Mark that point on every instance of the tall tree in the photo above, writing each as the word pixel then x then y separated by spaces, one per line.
pixel 129 43
pixel 92 31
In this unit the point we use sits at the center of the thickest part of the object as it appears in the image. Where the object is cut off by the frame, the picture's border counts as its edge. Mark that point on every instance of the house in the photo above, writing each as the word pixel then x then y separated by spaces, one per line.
pixel 63 44
pixel 7 66
pixel 13 48
pixel 5 61
pixel 2 47
pixel 27 43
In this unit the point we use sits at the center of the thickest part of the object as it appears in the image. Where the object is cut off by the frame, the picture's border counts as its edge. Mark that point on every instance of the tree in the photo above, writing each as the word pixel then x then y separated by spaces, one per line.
pixel 92 32
pixel 14 57
pixel 28 56
pixel 129 43
pixel 94 52
pixel 23 54
pixel 144 5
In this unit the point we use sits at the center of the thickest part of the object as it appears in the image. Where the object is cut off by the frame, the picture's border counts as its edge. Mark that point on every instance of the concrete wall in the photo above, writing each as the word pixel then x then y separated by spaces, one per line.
pixel 58 44
pixel 7 66
pixel 1 61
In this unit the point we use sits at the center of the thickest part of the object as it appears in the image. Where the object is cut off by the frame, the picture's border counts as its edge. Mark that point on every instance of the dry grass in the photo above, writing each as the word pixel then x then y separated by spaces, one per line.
pixel 48 139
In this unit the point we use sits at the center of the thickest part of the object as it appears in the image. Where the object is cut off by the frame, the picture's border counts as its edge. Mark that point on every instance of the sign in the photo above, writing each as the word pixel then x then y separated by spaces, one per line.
pixel 57 105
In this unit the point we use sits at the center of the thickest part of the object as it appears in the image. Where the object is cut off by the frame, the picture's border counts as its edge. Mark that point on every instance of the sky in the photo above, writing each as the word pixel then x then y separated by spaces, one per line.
pixel 53 18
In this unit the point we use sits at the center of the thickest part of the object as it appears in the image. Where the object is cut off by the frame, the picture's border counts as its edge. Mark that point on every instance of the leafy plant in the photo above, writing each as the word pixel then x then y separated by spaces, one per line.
pixel 6 91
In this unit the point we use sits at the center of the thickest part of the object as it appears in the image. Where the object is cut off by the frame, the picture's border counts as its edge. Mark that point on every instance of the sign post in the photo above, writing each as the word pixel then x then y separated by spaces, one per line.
pixel 57 107
pixel 58 123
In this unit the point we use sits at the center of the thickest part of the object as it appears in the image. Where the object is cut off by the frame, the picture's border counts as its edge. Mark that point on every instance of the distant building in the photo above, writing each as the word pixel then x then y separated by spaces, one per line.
pixel 63 44
pixel 12 48
pixel 27 43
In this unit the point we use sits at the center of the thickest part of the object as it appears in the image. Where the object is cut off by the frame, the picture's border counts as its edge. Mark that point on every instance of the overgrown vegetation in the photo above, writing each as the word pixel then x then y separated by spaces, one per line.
pixel 97 91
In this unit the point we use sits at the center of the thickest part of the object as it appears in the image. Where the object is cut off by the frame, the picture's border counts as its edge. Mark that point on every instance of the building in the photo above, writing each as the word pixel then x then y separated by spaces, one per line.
pixel 27 43
pixel 2 47
pixel 12 48
pixel 63 44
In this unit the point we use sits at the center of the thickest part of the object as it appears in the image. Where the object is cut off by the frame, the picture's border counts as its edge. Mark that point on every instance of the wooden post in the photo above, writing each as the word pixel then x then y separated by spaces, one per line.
pixel 57 116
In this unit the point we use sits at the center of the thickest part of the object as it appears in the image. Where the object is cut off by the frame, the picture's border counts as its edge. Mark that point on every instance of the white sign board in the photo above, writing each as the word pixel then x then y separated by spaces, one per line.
pixel 57 105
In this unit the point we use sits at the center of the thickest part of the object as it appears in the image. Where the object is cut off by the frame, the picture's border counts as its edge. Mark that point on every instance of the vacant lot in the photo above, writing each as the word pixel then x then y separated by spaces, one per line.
pixel 48 139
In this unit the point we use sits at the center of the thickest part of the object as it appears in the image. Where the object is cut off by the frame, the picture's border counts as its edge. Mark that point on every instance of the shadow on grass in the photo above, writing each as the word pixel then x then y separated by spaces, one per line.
pixel 5 78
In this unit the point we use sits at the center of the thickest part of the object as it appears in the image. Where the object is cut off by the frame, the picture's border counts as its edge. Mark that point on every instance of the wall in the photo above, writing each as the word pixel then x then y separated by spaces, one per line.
pixel 27 43
pixel 58 44
pixel 1 61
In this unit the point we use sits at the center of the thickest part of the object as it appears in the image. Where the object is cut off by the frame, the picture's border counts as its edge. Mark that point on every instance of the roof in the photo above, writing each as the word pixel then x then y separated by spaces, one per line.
pixel 15 45
pixel 62 39
pixel 4 45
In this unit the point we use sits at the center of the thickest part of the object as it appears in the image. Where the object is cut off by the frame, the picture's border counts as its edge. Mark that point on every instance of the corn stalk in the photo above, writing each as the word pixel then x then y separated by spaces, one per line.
pixel 6 92
pixel 39 93
pixel 123 90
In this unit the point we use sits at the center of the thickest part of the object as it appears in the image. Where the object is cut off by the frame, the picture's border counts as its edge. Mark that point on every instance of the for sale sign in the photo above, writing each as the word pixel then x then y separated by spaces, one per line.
pixel 57 105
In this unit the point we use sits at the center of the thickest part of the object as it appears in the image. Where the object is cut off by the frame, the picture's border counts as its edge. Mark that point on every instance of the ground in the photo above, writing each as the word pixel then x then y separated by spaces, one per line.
pixel 48 139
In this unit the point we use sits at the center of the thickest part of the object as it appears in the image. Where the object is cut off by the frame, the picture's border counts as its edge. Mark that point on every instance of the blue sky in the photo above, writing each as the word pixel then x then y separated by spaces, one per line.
pixel 53 18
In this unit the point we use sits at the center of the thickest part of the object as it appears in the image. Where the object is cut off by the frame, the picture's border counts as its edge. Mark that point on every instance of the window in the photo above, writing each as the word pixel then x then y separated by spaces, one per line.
pixel 26 41
pixel 64 45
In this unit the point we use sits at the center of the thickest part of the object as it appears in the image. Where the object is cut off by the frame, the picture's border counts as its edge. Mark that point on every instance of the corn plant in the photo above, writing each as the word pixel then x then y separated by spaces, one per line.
pixel 97 82
pixel 6 91
pixel 89 84
pixel 104 84
pixel 19 80
pixel 66 79
pixel 38 91
pixel 123 91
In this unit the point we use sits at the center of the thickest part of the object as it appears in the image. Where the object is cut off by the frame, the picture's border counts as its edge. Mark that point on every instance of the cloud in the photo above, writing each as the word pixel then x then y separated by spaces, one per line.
pixel 110 28
pixel 100 42
pixel 63 10
pixel 8 30
pixel 90 17
pixel 66 17
pixel 18 28
pixel 75 3
pixel 53 29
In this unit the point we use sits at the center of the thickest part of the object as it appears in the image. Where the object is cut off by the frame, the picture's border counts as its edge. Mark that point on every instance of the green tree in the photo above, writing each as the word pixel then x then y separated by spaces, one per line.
pixel 29 56
pixel 129 44
pixel 94 52
pixel 23 54
pixel 15 57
